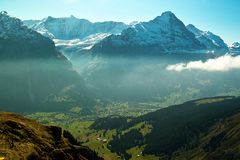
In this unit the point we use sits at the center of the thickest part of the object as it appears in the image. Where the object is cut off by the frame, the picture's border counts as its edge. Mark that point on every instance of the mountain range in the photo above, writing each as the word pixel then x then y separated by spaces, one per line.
pixel 164 34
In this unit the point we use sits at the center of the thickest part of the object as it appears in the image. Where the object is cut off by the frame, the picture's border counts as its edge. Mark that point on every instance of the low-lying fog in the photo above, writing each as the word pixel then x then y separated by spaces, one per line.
pixel 160 78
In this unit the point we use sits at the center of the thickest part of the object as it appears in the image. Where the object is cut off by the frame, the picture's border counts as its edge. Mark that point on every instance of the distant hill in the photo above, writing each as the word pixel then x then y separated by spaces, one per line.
pixel 199 129
pixel 23 138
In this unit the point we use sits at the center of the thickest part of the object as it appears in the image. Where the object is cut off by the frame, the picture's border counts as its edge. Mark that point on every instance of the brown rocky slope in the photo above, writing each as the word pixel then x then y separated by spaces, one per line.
pixel 23 138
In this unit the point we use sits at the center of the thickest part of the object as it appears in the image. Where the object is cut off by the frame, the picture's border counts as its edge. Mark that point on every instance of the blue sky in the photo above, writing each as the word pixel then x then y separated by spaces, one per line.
pixel 222 17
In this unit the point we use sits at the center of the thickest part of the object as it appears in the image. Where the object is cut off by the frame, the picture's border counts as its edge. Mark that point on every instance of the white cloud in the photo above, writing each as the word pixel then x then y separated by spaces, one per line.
pixel 220 64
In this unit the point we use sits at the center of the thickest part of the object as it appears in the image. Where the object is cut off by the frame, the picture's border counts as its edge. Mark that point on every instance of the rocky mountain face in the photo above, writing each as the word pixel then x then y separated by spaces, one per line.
pixel 23 138
pixel 164 34
pixel 210 40
pixel 34 75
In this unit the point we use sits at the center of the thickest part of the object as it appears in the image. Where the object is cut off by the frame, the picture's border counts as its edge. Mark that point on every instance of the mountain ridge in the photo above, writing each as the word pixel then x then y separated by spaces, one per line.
pixel 210 40
pixel 69 28
pixel 163 34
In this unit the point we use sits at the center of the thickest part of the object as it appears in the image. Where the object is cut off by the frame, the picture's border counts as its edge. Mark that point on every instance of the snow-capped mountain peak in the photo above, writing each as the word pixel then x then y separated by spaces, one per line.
pixel 165 33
